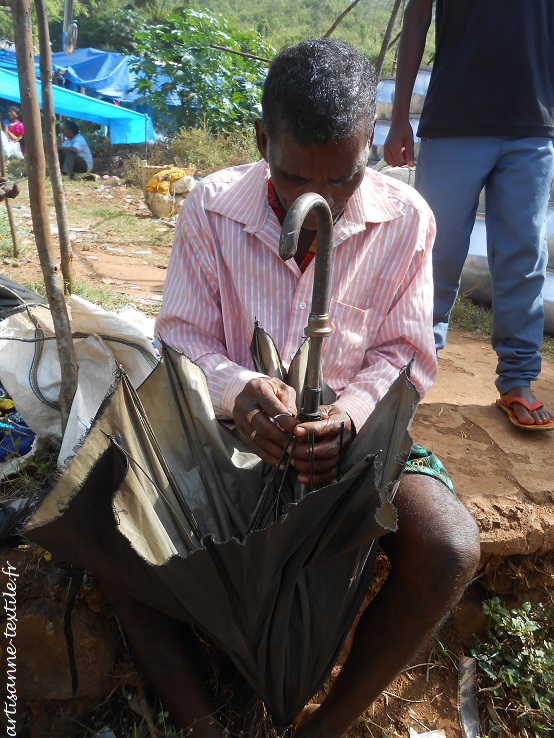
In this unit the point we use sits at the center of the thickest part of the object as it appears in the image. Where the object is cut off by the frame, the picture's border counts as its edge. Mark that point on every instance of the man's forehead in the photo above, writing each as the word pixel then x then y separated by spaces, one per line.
pixel 283 142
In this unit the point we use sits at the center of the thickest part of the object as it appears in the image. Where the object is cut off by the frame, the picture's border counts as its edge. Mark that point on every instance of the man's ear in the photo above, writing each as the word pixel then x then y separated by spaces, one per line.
pixel 370 142
pixel 261 138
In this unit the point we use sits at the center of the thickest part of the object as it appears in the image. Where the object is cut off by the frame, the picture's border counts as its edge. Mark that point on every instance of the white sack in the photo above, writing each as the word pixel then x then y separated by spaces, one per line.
pixel 30 369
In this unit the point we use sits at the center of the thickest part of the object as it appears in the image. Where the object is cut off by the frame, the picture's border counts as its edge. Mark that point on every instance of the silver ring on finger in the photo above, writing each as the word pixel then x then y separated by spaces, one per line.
pixel 275 418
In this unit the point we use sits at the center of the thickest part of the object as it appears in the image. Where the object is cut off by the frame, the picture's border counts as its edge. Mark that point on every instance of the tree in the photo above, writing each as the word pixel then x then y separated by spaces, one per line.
pixel 215 70
pixel 387 37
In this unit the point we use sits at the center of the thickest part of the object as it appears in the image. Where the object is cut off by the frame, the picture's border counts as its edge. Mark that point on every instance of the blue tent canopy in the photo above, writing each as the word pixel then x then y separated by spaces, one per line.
pixel 105 73
pixel 125 126
pixel 7 61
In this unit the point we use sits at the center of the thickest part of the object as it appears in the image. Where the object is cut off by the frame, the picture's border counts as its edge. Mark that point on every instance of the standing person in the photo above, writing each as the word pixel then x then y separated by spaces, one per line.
pixel 15 132
pixel 74 155
pixel 487 121
pixel 318 109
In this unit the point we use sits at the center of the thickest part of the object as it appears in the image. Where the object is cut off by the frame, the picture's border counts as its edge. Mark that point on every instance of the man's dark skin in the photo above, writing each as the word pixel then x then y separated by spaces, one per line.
pixel 8 190
pixel 433 555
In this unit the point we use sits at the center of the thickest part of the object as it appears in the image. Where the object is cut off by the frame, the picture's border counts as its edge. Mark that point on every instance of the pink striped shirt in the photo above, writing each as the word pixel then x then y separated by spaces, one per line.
pixel 225 272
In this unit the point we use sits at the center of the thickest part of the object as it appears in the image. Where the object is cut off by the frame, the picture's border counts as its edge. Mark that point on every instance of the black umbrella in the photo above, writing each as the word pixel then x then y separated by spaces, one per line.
pixel 160 499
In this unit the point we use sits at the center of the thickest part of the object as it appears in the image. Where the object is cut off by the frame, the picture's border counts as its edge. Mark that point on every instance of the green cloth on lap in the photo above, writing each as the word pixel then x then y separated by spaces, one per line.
pixel 422 461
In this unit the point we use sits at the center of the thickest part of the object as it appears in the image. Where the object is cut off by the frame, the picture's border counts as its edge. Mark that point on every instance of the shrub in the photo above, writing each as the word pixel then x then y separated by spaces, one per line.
pixel 517 664
pixel 207 152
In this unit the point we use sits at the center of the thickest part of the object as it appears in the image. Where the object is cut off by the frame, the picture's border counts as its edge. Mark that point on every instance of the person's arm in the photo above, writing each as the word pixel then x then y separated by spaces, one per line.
pixel 405 331
pixel 190 320
pixel 399 144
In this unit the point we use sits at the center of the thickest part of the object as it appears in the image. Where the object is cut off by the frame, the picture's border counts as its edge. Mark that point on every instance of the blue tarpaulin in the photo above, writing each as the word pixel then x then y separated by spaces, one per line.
pixel 105 73
pixel 125 126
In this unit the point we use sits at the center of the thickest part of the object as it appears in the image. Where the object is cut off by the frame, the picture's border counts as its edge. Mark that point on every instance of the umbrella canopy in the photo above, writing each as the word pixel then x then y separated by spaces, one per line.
pixel 160 498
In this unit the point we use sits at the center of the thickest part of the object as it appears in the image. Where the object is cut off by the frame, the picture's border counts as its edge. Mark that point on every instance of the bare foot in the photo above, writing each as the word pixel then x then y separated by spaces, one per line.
pixel 541 416
pixel 303 718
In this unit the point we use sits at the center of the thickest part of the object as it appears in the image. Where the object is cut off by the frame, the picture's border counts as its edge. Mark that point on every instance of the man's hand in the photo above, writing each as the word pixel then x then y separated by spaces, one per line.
pixel 322 439
pixel 265 415
pixel 399 144
pixel 10 191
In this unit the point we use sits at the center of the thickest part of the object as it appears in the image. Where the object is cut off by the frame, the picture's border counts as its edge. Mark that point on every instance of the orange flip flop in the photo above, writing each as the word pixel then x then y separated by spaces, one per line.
pixel 506 406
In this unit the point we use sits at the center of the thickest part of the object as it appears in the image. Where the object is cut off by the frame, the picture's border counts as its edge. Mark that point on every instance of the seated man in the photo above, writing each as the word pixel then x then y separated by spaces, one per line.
pixel 74 153
pixel 225 273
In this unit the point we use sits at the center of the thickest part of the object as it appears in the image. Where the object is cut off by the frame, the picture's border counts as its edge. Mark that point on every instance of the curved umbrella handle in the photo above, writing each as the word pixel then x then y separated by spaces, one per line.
pixel 319 326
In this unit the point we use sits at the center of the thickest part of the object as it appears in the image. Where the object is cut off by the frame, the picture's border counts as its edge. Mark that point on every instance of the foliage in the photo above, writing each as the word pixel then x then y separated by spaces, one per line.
pixel 517 664
pixel 217 89
pixel 208 152
pixel 290 21
pixel 110 29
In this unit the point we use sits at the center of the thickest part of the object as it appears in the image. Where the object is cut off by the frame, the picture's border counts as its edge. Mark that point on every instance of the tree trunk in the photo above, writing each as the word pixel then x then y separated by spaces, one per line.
pixel 50 145
pixel 386 38
pixel 36 170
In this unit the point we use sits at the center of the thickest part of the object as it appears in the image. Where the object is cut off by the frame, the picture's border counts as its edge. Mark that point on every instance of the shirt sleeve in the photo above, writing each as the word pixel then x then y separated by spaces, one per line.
pixel 190 320
pixel 404 335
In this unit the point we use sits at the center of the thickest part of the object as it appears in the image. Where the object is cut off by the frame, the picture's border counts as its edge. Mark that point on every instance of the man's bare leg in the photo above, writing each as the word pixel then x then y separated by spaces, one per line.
pixel 167 651
pixel 433 555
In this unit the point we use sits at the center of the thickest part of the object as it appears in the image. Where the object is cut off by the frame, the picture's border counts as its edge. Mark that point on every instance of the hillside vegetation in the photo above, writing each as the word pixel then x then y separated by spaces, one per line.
pixel 110 24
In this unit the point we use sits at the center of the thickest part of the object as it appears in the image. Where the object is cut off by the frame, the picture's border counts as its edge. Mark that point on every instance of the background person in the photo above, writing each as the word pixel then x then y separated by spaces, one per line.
pixel 74 154
pixel 487 121
pixel 15 132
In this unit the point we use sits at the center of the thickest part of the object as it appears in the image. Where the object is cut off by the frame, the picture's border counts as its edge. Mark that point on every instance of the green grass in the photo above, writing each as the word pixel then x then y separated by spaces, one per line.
pixel 6 243
pixel 101 296
pixel 107 220
pixel 477 319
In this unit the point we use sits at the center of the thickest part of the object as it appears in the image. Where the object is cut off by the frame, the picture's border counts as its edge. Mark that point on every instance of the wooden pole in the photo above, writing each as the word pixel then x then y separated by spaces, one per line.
pixel 11 221
pixel 50 146
pixel 36 171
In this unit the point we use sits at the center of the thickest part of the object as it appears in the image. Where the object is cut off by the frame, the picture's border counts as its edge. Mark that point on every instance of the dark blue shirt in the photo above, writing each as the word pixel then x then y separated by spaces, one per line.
pixel 493 73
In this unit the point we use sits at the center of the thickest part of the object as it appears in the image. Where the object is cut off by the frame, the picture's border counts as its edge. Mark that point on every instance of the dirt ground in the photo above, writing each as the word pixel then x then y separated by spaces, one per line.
pixel 502 474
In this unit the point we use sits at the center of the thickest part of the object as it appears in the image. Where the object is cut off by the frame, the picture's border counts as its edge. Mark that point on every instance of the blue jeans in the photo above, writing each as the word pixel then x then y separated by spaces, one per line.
pixel 517 175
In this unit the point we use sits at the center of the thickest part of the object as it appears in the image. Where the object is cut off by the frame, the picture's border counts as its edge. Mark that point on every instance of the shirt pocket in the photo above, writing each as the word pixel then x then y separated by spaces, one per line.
pixel 353 333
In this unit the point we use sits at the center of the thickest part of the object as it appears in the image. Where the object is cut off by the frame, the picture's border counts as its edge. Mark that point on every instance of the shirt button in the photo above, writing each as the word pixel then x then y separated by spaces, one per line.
pixel 302 306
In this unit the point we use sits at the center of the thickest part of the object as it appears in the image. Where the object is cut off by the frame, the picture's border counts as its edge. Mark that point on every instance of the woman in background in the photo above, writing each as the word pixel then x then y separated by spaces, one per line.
pixel 15 131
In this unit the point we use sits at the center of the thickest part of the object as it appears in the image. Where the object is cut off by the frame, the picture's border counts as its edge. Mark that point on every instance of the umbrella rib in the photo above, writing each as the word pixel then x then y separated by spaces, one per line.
pixel 128 456
pixel 185 509
pixel 213 479
pixel 263 497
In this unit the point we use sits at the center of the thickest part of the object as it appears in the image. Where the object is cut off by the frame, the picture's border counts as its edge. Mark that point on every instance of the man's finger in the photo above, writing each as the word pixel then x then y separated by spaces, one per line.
pixel 328 426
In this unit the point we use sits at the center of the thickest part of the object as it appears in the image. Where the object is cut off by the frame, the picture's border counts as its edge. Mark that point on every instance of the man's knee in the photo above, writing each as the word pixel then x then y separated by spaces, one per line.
pixel 436 533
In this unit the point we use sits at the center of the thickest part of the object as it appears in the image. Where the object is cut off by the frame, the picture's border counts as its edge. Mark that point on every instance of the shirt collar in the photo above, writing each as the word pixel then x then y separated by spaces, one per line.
pixel 245 201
